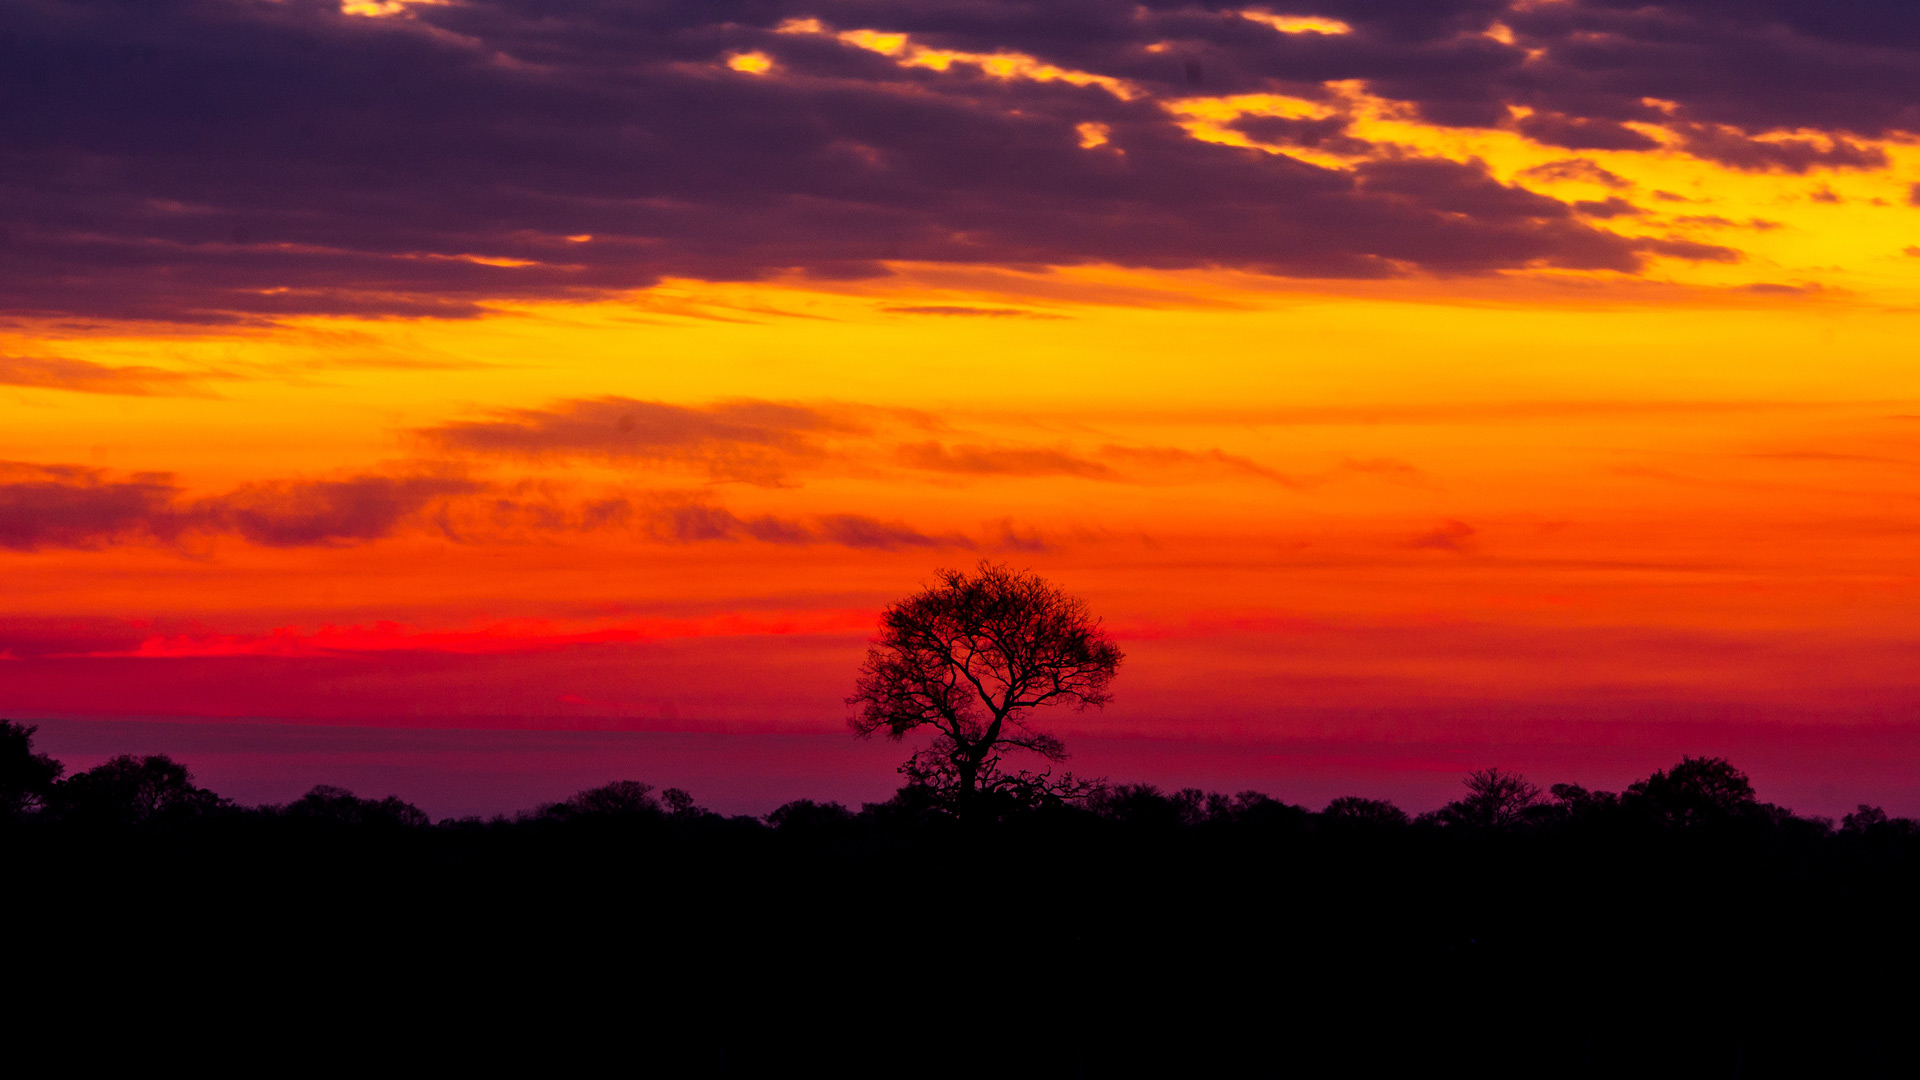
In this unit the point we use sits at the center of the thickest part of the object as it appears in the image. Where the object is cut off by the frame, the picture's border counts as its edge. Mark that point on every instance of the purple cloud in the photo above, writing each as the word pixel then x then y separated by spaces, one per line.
pixel 208 160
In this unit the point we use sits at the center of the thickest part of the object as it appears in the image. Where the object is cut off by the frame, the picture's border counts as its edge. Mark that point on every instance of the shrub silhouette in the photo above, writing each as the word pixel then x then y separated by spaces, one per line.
pixel 338 806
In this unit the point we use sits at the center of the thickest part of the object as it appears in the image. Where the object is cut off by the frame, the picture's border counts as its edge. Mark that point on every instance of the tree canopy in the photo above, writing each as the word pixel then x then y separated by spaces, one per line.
pixel 26 778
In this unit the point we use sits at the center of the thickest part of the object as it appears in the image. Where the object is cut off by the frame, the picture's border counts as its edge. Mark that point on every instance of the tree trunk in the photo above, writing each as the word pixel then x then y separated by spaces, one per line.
pixel 969 776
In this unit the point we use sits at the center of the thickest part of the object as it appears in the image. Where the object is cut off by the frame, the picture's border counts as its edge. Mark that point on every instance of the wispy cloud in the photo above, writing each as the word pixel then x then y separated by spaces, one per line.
pixel 685 520
pixel 45 507
pixel 964 311
pixel 777 444
pixel 756 442
pixel 1149 460
pixel 87 377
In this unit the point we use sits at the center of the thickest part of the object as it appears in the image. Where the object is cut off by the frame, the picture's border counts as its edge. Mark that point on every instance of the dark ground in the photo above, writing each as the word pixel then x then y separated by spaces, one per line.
pixel 1152 937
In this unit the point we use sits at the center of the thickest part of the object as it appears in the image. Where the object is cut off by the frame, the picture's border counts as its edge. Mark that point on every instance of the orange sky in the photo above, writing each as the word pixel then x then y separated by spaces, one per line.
pixel 1684 486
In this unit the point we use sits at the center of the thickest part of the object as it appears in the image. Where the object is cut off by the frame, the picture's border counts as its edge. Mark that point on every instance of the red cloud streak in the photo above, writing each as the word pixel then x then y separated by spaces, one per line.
pixel 503 636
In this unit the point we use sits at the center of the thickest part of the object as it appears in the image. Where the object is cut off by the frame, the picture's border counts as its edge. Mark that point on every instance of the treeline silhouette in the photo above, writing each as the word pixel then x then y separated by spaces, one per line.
pixel 1681 926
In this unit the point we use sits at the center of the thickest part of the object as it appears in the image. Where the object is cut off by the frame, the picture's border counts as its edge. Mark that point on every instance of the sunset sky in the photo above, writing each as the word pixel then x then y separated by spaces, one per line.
pixel 477 399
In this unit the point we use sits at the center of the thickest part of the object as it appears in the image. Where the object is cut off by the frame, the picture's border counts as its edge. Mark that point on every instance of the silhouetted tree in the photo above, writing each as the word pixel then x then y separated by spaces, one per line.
pixel 1696 791
pixel 134 791
pixel 1354 810
pixel 970 658
pixel 1495 798
pixel 26 778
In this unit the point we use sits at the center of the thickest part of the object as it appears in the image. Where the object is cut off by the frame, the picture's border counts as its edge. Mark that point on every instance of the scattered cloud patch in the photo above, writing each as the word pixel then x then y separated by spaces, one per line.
pixel 324 513
pixel 1297 24
pixel 1578 170
pixel 750 63
pixel 47 507
pixel 1692 250
pixel 754 442
pixel 1450 535
pixel 1165 460
pixel 1729 147
pixel 1390 469
pixel 965 311
pixel 68 506
pixel 1583 133
pixel 1611 207
pixel 976 460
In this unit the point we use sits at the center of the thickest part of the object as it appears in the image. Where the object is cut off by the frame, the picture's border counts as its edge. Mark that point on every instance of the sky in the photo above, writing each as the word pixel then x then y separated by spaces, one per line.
pixel 477 400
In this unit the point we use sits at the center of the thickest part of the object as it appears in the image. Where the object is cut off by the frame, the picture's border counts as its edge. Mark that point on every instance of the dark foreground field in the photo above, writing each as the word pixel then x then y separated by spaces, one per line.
pixel 1668 931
